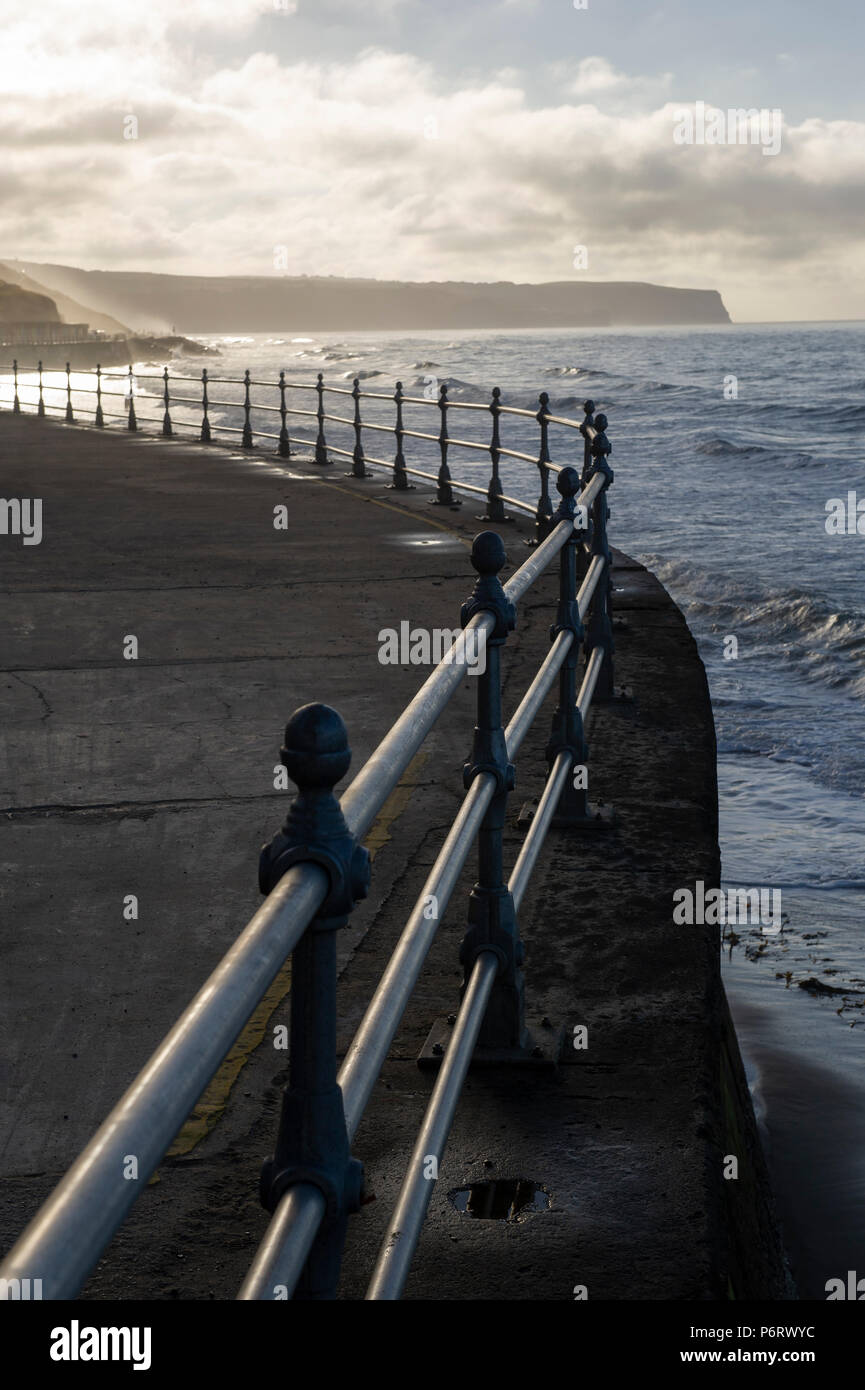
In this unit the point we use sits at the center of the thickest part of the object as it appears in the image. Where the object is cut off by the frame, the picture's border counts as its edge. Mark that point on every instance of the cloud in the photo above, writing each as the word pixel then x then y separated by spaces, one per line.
pixel 382 166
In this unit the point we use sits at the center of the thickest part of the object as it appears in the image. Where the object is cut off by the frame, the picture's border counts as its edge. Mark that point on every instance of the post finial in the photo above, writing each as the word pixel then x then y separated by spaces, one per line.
pixel 316 755
pixel 488 557
pixel 316 751
pixel 488 553
pixel 568 482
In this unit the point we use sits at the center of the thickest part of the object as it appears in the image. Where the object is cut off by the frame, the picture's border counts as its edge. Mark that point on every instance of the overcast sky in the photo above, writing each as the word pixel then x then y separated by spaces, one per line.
pixel 462 139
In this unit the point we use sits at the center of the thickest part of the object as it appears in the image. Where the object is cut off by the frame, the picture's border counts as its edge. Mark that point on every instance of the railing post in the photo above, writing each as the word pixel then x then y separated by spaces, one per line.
pixel 16 404
pixel 544 510
pixel 132 423
pixel 321 442
pixel 600 627
pixel 495 507
pixel 400 477
pixel 247 441
pixel 444 492
pixel 40 409
pixel 100 418
pixel 492 924
pixel 69 417
pixel 587 424
pixel 166 418
pixel 284 447
pixel 567 733
pixel 205 422
pixel 312 1143
pixel 358 466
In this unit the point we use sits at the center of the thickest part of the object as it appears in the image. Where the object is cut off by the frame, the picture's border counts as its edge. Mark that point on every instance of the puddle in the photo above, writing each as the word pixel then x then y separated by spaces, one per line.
pixel 415 539
pixel 500 1199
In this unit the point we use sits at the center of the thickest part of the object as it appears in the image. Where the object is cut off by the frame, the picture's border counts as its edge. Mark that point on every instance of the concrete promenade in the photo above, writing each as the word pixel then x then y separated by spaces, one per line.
pixel 153 778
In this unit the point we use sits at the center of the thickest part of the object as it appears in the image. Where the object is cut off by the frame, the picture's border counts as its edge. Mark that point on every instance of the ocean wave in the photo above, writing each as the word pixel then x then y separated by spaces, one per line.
pixel 455 387
pixel 791 625
pixel 717 446
pixel 578 372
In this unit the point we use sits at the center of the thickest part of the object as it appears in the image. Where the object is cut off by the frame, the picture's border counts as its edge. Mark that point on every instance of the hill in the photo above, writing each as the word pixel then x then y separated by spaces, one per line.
pixel 23 306
pixel 276 303
pixel 67 310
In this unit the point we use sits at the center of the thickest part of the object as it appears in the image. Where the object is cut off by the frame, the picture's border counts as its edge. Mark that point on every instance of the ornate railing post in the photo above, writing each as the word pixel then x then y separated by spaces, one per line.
pixel 284 447
pixel 246 442
pixel 492 924
pixel 16 404
pixel 100 418
pixel 495 507
pixel 544 509
pixel 312 1143
pixel 358 466
pixel 400 477
pixel 167 429
pixel 132 423
pixel 69 417
pixel 321 442
pixel 40 408
pixel 205 436
pixel 600 627
pixel 567 733
pixel 587 424
pixel 444 492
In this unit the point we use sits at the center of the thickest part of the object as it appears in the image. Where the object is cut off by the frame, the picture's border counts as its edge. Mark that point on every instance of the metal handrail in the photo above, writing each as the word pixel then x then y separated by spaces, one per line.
pixel 446 486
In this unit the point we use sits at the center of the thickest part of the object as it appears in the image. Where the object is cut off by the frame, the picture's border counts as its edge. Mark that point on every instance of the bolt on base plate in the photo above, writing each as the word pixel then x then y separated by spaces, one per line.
pixel 543 1047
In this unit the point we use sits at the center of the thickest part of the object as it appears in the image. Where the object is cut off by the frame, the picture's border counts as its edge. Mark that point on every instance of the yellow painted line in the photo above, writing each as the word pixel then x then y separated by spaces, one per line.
pixel 212 1103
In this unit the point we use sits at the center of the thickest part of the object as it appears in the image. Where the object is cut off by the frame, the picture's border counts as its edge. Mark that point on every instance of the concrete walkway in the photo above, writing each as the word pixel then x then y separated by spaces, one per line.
pixel 152 778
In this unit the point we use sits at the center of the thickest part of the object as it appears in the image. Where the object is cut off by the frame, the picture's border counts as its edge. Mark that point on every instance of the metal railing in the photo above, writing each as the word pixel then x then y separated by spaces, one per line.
pixel 313 873
pixel 255 401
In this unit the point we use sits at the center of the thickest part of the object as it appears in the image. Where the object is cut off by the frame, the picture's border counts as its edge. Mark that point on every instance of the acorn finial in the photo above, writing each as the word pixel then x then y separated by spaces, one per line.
pixel 488 553
pixel 316 751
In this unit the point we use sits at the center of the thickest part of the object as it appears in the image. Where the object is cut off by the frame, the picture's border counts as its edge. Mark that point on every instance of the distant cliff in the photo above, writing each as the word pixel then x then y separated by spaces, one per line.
pixel 276 303
pixel 68 310
pixel 22 306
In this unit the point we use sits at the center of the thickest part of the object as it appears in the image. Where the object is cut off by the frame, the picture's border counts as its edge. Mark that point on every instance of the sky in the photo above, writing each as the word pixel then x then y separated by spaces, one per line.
pixel 487 140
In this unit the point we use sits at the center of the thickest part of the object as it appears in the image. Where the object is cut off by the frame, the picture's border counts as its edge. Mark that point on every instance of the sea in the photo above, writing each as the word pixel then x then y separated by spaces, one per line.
pixel 739 466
